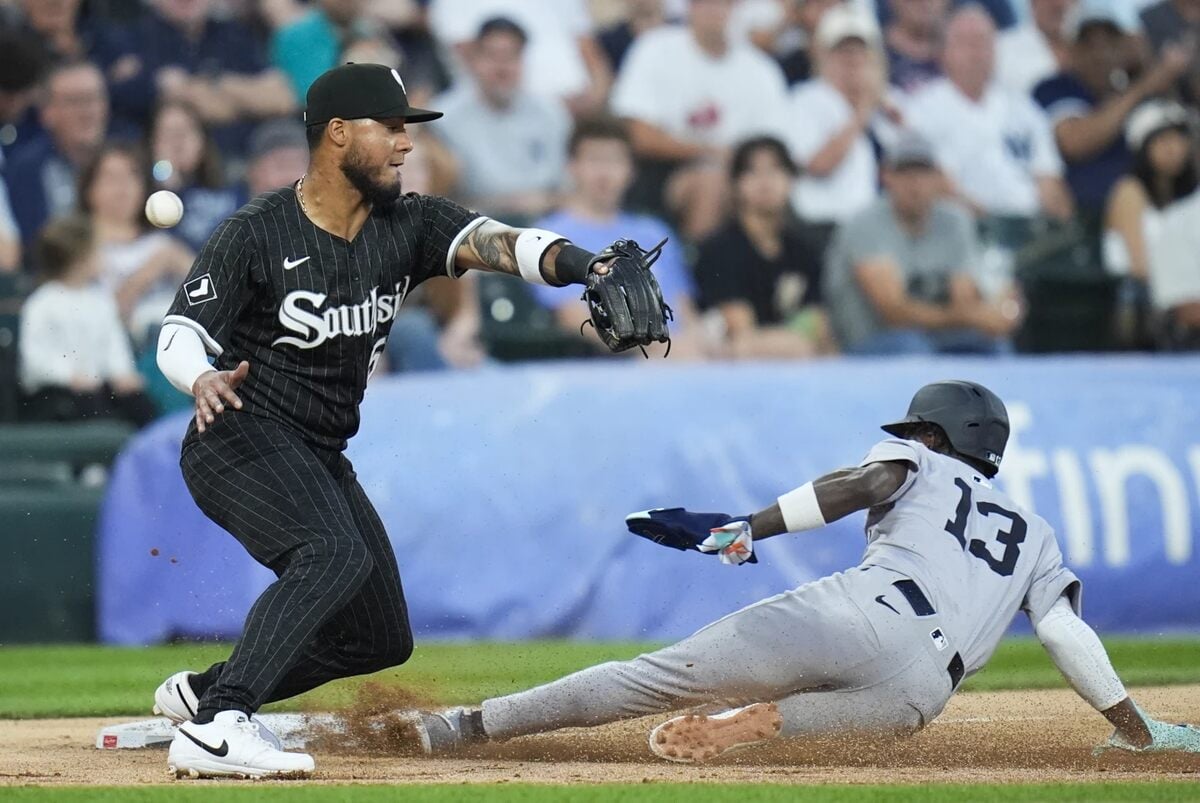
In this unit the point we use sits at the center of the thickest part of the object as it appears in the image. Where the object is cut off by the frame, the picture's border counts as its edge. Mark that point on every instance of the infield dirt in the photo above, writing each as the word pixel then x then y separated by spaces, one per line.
pixel 994 737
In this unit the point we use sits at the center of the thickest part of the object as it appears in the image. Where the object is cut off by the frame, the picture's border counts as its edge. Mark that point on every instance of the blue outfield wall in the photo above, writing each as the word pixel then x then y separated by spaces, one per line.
pixel 504 492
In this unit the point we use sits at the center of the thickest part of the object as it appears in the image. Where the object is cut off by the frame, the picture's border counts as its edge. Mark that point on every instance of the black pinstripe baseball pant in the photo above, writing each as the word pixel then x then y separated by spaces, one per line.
pixel 337 608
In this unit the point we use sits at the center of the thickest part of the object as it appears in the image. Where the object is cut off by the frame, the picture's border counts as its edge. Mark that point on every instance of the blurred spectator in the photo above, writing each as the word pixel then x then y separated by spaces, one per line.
pixel 509 142
pixel 832 116
pixel 185 52
pixel 790 35
pixel 10 235
pixel 758 272
pixel 65 34
pixel 600 163
pixel 689 94
pixel 1035 49
pixel 640 16
pixel 279 157
pixel 913 38
pixel 994 144
pixel 139 266
pixel 564 59
pixel 75 357
pixel 1088 103
pixel 41 176
pixel 1175 274
pixel 313 43
pixel 1164 171
pixel 900 275
pixel 22 65
pixel 186 161
pixel 1174 22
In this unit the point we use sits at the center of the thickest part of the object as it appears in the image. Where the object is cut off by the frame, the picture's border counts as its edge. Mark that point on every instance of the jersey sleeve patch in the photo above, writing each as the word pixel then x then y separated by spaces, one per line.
pixel 200 290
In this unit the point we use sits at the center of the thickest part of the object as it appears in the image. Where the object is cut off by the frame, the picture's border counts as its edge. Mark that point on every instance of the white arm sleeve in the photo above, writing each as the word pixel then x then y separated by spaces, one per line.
pixel 1077 652
pixel 181 356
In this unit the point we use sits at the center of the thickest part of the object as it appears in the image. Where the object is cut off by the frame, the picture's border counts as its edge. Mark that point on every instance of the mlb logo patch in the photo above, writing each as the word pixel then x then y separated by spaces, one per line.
pixel 939 639
pixel 110 741
pixel 200 289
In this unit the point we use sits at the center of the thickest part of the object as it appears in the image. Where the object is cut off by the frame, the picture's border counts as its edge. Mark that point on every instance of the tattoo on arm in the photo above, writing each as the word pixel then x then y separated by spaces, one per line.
pixel 490 246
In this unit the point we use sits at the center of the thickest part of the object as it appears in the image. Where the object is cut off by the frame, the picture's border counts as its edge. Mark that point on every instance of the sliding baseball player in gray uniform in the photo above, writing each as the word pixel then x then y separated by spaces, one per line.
pixel 881 647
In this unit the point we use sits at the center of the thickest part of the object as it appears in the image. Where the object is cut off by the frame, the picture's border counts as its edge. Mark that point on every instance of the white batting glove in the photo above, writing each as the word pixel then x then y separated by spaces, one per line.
pixel 733 543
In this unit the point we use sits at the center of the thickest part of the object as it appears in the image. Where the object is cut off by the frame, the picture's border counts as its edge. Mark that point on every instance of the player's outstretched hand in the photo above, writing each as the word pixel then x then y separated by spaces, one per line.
pixel 727 536
pixel 215 389
pixel 1164 737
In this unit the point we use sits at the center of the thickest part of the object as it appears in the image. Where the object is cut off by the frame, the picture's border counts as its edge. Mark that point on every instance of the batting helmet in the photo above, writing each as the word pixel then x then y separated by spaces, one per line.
pixel 973 418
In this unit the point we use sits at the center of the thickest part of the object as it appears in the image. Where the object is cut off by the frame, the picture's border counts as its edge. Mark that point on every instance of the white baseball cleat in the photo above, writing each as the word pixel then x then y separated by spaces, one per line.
pixel 231 746
pixel 174 698
pixel 693 738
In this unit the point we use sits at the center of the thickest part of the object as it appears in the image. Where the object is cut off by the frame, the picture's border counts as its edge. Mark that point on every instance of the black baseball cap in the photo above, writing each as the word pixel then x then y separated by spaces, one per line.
pixel 357 91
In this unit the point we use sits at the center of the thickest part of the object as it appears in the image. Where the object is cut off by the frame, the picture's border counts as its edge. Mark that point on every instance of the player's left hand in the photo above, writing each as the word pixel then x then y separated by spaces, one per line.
pixel 623 297
pixel 1164 737
pixel 727 536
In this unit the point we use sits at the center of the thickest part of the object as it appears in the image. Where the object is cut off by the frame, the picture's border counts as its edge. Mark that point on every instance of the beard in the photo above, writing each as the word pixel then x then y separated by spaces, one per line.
pixel 362 176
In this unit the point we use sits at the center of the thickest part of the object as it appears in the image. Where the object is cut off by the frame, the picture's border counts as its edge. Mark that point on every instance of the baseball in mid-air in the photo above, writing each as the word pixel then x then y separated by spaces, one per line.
pixel 164 209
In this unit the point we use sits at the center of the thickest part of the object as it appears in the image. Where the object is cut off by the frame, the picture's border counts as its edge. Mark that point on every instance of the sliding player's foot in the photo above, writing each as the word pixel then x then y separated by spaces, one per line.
pixel 693 738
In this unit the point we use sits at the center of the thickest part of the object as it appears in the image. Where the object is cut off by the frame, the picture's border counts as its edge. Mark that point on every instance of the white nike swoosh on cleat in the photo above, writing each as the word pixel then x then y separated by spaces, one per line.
pixel 288 264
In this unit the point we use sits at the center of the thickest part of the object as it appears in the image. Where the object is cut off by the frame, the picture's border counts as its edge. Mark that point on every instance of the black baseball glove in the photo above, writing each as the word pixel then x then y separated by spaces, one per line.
pixel 626 304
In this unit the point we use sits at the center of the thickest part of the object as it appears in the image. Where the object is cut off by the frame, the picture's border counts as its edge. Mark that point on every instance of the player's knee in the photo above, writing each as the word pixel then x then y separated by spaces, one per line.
pixel 399 650
pixel 352 559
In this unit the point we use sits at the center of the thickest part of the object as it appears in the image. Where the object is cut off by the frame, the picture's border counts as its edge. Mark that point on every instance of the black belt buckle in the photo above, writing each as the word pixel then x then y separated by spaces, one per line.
pixel 916 598
pixel 955 670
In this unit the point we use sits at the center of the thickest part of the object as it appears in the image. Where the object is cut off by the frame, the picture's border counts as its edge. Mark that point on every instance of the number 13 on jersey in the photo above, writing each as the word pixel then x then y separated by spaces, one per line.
pixel 1010 538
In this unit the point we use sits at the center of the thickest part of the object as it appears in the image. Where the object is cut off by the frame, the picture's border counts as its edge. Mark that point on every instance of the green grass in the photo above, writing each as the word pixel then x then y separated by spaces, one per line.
pixel 88 680
pixel 651 793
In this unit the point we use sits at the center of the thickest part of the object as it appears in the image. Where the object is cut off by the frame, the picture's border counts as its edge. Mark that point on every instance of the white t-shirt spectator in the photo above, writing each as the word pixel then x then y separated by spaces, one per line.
pixel 993 150
pixel 553 63
pixel 1174 254
pixel 817 112
pixel 1023 58
pixel 518 149
pixel 669 82
pixel 69 332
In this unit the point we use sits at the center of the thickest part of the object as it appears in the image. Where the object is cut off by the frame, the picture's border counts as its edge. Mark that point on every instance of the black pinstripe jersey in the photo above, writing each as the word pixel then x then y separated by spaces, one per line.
pixel 308 310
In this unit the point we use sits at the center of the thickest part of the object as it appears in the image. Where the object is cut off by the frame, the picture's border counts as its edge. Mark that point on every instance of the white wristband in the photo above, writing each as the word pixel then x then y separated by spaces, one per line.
pixel 531 247
pixel 800 509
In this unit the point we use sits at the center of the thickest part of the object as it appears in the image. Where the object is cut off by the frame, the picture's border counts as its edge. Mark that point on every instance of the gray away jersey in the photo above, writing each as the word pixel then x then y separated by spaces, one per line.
pixel 978 555
pixel 308 310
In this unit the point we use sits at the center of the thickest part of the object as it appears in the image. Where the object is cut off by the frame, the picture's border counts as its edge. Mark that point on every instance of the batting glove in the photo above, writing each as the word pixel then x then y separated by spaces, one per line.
pixel 682 529
pixel 733 543
pixel 1164 738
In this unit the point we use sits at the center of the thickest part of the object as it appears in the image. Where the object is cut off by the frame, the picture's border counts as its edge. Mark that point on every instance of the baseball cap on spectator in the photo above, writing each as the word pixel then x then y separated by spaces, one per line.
pixel 276 134
pixel 1152 118
pixel 502 25
pixel 910 150
pixel 1117 14
pixel 846 21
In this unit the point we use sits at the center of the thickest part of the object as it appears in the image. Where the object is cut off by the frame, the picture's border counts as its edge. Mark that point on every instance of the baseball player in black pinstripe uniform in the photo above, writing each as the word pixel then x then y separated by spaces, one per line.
pixel 294 295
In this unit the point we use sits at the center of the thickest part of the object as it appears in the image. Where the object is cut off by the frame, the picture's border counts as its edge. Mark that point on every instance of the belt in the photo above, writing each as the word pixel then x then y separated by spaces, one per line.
pixel 922 607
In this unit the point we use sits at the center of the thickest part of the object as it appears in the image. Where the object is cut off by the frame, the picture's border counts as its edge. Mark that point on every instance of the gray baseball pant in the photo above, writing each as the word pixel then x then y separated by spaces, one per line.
pixel 849 652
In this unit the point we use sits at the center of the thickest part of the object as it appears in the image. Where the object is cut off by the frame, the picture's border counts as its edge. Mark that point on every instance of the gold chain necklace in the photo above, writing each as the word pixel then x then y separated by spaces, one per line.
pixel 300 195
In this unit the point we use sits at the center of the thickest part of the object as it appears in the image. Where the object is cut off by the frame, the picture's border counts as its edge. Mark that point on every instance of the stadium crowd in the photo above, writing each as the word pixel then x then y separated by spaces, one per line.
pixel 837 176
